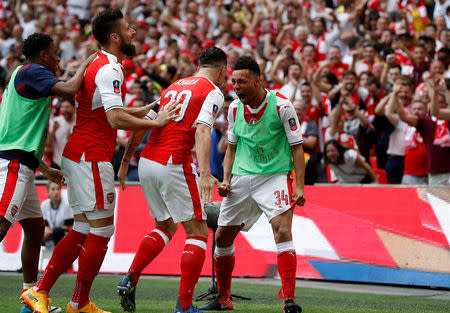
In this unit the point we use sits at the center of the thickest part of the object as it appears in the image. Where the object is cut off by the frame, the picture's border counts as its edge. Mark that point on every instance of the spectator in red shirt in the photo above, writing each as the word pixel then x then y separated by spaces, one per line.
pixel 334 58
pixel 416 160
pixel 435 134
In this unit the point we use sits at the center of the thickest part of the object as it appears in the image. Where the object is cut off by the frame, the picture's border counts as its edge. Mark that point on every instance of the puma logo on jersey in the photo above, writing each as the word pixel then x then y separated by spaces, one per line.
pixel 151 237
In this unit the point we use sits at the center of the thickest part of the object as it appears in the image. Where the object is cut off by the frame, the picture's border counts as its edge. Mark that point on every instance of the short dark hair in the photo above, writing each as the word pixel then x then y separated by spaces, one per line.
pixel 396 65
pixel 212 57
pixel 419 100
pixel 308 45
pixel 297 64
pixel 228 99
pixel 34 44
pixel 427 39
pixel 374 81
pixel 172 70
pixel 105 23
pixel 406 80
pixel 247 63
pixel 307 84
pixel 419 45
pixel 340 148
pixel 332 79
pixel 432 25
pixel 349 72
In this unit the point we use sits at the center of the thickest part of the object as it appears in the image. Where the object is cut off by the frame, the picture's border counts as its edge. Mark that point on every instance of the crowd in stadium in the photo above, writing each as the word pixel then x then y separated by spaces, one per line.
pixel 337 61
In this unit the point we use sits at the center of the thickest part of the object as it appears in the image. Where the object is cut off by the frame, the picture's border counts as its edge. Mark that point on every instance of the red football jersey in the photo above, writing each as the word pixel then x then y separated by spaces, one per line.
pixel 200 101
pixel 102 90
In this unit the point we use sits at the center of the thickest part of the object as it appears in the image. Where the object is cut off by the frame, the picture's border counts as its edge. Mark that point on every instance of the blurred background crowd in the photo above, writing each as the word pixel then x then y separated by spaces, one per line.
pixel 369 77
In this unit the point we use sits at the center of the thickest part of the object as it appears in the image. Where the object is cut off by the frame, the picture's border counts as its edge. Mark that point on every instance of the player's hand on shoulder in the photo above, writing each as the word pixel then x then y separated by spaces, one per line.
pixel 224 189
pixel 122 173
pixel 55 176
pixel 298 196
pixel 91 58
pixel 167 113
pixel 206 185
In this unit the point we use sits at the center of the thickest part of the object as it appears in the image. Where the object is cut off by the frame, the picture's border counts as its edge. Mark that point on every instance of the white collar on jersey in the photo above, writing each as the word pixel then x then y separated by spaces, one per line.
pixel 110 56
pixel 266 99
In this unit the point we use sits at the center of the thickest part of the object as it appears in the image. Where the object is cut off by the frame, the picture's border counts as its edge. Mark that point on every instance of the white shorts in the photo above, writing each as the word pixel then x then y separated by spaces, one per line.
pixel 90 188
pixel 171 191
pixel 252 195
pixel 18 195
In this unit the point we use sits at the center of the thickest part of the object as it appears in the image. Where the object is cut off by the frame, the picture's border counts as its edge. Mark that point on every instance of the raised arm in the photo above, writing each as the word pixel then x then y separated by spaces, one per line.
pixel 435 109
pixel 273 71
pixel 335 116
pixel 69 89
pixel 392 105
pixel 379 109
pixel 390 59
pixel 322 86
pixel 409 119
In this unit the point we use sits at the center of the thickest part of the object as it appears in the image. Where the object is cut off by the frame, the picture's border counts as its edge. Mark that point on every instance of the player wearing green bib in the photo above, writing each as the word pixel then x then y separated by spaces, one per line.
pixel 24 116
pixel 265 144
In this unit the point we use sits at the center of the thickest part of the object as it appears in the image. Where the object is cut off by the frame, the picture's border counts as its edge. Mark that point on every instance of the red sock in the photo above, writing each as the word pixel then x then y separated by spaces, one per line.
pixel 150 247
pixel 90 261
pixel 191 265
pixel 287 267
pixel 224 269
pixel 64 254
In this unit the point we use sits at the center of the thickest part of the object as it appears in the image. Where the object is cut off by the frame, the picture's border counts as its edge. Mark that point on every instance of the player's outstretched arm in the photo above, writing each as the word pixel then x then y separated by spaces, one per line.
pixel 206 181
pixel 132 144
pixel 70 88
pixel 52 174
pixel 140 112
pixel 224 187
pixel 120 119
pixel 298 158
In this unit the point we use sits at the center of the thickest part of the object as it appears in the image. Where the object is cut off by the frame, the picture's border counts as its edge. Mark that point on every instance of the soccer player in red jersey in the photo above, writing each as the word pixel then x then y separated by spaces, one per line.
pixel 169 179
pixel 87 167
pixel 24 115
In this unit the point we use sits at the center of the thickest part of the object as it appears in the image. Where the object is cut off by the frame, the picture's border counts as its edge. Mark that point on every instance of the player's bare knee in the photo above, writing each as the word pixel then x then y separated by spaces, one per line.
pixel 168 226
pixel 225 236
pixel 196 228
pixel 283 234
pixel 202 230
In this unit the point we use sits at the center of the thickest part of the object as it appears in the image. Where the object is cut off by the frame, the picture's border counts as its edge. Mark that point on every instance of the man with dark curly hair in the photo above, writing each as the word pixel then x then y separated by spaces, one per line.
pixel 265 144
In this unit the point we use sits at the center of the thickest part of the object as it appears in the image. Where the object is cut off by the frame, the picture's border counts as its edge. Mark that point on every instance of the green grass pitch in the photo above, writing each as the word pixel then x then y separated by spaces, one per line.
pixel 159 295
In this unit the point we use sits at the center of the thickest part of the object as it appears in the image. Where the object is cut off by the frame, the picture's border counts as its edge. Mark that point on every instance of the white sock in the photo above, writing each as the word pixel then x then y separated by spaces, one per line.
pixel 74 305
pixel 28 285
